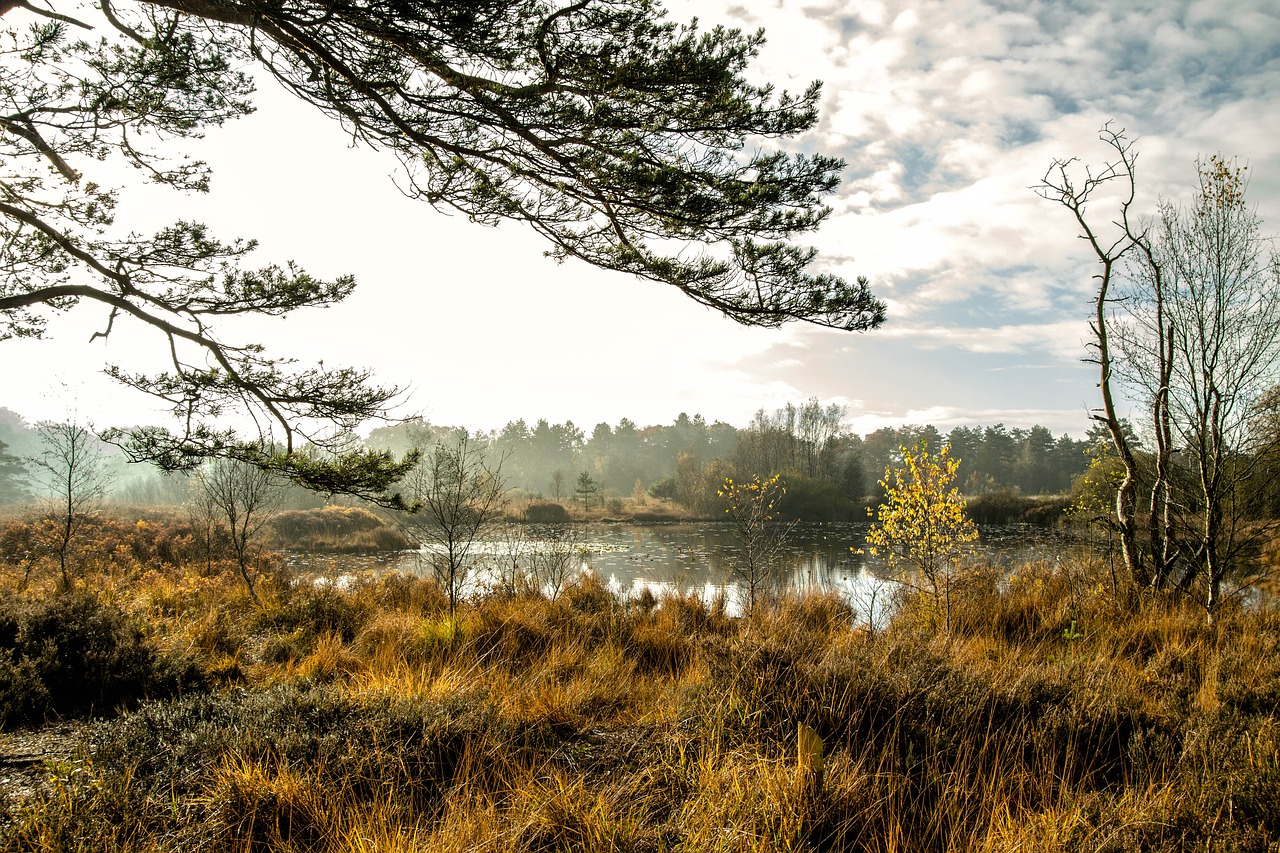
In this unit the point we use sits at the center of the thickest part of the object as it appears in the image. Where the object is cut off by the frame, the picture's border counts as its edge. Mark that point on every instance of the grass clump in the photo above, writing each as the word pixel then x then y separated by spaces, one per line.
pixel 334 530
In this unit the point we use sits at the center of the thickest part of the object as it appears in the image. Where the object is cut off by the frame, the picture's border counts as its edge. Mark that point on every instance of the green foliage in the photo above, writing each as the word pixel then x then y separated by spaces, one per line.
pixel 664 489
pixel 585 488
pixel 813 499
pixel 1093 494
pixel 148 77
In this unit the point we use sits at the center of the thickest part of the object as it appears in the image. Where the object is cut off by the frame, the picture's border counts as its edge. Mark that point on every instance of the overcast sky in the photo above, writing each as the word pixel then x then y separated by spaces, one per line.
pixel 947 111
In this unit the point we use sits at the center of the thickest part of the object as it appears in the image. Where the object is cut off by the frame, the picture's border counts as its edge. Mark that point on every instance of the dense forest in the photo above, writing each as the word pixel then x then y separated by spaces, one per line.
pixel 686 460
pixel 830 471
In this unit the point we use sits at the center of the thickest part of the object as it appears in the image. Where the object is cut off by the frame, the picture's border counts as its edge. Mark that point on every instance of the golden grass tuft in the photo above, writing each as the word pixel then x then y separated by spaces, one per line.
pixel 260 806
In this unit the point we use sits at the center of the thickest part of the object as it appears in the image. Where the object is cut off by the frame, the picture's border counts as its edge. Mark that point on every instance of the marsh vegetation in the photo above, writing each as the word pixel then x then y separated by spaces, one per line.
pixel 362 717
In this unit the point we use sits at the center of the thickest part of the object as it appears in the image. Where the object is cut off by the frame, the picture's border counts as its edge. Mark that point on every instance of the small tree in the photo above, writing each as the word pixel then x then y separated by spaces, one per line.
pixel 70 469
pixel 921 529
pixel 206 519
pixel 585 489
pixel 238 498
pixel 455 496
pixel 556 556
pixel 750 507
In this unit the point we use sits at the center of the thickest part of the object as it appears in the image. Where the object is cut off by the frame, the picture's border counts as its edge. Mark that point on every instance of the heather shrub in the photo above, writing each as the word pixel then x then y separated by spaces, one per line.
pixel 546 513
pixel 310 610
pixel 73 655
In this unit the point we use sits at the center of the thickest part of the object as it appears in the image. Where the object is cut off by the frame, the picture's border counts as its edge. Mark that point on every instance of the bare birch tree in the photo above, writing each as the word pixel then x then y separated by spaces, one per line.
pixel 1062 184
pixel 239 498
pixel 1197 333
pixel 69 467
pixel 1184 318
pixel 455 495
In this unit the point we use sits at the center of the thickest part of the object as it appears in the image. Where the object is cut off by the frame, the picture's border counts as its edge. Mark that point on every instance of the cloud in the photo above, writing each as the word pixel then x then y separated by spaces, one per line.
pixel 1063 339
pixel 946 111
pixel 945 418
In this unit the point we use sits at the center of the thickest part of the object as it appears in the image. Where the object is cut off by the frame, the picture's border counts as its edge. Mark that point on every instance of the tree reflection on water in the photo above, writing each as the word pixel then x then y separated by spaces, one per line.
pixel 698 558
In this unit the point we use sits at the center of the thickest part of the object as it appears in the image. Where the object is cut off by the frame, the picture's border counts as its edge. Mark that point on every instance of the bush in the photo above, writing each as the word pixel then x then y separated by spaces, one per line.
pixel 366 748
pixel 390 539
pixel 313 610
pixel 810 499
pixel 23 697
pixel 76 656
pixel 335 530
pixel 1000 506
pixel 664 489
pixel 1050 513
pixel 588 593
pixel 546 513
pixel 647 517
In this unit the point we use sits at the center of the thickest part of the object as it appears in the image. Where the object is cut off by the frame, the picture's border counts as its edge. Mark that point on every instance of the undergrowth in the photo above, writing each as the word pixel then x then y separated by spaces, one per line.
pixel 361 717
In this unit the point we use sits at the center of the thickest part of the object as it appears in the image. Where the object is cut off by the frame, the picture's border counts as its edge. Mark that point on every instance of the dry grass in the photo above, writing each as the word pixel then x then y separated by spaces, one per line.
pixel 364 718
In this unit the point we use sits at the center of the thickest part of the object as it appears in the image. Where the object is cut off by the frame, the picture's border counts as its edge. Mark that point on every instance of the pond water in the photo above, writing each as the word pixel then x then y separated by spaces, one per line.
pixel 697 557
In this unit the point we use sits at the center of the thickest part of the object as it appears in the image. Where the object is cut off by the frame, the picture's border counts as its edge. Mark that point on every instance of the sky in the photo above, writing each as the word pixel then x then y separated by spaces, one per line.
pixel 947 112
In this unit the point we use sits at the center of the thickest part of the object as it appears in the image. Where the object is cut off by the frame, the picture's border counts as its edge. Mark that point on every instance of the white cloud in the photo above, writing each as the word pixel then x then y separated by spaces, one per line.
pixel 1063 339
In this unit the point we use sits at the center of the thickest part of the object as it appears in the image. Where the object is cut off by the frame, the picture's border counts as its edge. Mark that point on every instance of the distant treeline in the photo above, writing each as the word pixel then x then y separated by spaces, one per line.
pixel 831 473
pixel 686 461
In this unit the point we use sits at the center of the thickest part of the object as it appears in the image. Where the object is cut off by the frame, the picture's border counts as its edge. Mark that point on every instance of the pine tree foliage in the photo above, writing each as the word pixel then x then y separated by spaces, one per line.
pixel 628 141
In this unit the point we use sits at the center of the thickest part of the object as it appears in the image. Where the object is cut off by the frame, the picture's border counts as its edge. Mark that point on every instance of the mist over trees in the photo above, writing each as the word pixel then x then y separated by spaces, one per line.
pixel 13 478
pixel 830 471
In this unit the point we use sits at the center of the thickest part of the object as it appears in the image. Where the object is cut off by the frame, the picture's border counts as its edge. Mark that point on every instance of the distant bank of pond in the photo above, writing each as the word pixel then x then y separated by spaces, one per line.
pixel 694 557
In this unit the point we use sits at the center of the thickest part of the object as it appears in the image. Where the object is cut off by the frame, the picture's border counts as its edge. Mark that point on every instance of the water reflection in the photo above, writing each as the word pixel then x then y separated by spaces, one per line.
pixel 689 558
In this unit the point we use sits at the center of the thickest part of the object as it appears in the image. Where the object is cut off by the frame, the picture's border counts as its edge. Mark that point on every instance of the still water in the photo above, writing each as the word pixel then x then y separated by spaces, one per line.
pixel 698 558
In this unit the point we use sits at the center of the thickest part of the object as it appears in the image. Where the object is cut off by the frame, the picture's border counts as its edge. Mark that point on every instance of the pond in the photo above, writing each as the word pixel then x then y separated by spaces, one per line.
pixel 696 558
